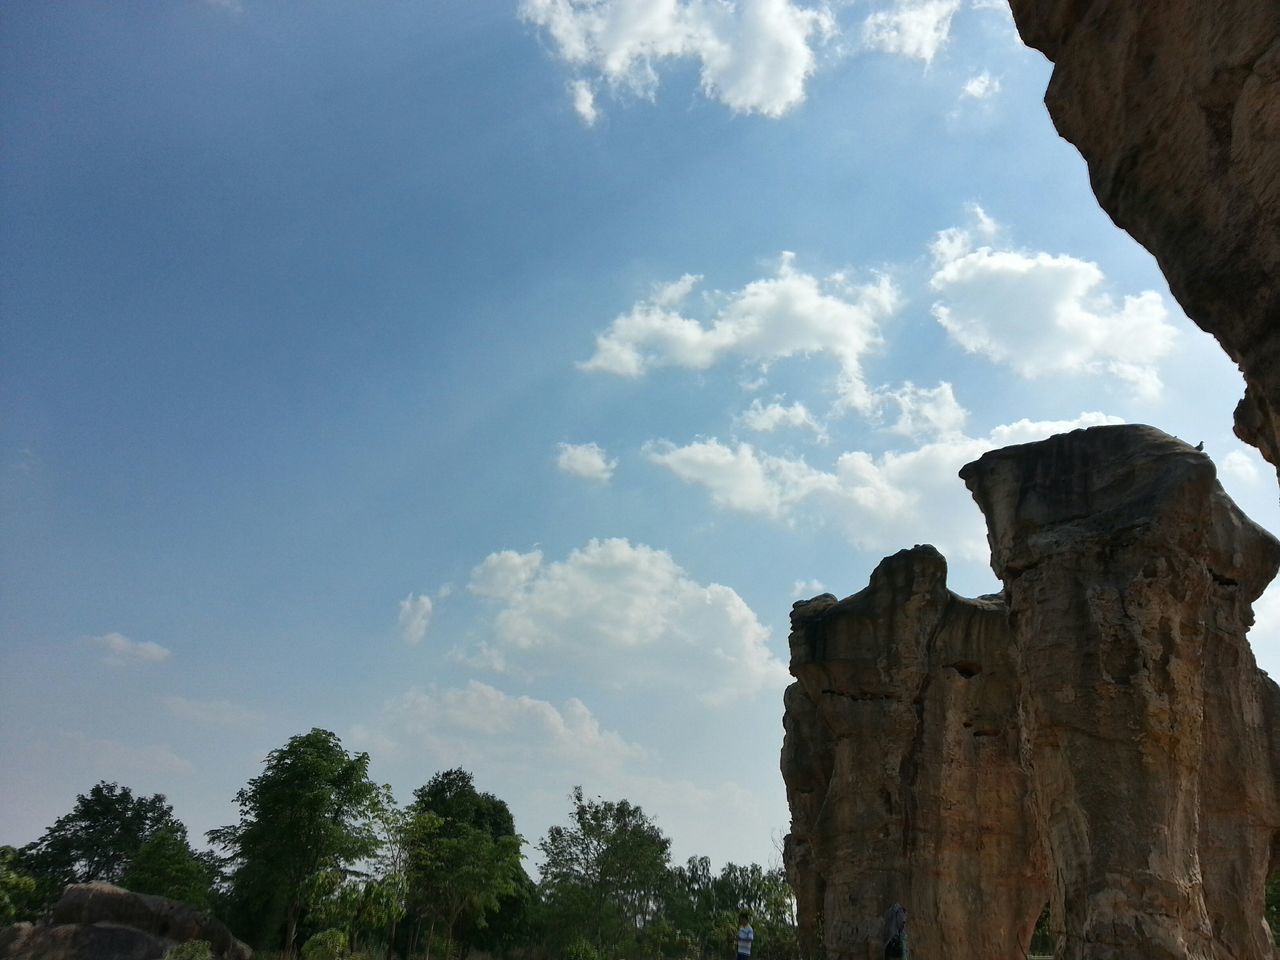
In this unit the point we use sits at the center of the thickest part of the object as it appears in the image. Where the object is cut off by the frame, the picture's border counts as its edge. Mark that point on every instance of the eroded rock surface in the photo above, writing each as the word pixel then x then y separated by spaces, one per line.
pixel 99 921
pixel 1175 106
pixel 1098 737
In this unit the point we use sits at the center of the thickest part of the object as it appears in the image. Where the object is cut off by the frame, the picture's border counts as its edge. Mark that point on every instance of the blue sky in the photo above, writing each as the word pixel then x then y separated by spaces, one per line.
pixel 483 381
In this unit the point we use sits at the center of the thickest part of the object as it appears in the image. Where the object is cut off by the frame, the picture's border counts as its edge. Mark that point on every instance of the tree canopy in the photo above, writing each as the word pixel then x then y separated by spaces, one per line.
pixel 98 839
pixel 311 810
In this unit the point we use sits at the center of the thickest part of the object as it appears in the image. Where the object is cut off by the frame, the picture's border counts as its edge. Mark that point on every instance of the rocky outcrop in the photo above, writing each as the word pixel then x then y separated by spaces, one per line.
pixel 1175 106
pixel 1097 738
pixel 99 920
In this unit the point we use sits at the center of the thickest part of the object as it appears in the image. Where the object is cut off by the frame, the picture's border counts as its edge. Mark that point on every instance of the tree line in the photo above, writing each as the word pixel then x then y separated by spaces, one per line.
pixel 324 863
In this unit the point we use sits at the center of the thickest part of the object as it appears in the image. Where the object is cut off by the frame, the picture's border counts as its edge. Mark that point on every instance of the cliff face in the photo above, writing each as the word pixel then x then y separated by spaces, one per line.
pixel 1098 738
pixel 1175 106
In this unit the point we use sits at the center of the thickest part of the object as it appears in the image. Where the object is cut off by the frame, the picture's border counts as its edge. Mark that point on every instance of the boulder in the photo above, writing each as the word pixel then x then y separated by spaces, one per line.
pixel 99 921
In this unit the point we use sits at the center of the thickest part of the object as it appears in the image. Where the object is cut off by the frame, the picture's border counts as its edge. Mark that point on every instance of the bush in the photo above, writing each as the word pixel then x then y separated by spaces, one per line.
pixel 326 945
pixel 191 950
pixel 581 949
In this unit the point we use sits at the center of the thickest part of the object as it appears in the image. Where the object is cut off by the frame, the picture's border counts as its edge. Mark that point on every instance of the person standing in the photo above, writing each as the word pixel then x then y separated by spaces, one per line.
pixel 746 936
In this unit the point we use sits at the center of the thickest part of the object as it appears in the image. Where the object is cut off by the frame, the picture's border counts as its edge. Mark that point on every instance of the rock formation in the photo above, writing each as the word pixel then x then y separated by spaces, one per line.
pixel 93 921
pixel 1175 107
pixel 1097 738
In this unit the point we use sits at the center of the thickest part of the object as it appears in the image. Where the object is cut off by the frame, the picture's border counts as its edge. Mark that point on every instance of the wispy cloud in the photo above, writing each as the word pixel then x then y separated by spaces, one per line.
pixel 121 650
pixel 414 618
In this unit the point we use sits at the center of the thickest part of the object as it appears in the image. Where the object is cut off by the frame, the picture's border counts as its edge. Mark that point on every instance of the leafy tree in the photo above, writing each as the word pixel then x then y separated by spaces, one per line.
pixel 463 861
pixel 311 810
pixel 166 865
pixel 1273 907
pixel 457 870
pixel 606 873
pixel 98 839
pixel 17 889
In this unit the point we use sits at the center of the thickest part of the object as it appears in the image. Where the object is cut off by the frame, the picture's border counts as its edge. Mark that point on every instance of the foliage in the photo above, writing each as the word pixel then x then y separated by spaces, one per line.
pixel 191 950
pixel 326 945
pixel 166 865
pixel 462 860
pixel 98 839
pixel 18 899
pixel 311 810
pixel 606 873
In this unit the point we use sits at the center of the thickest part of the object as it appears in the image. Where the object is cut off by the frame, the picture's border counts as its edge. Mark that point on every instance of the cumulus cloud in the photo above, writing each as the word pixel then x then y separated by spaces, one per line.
pixel 121 650
pixel 883 501
pixel 911 28
pixel 586 460
pixel 981 87
pixel 781 316
pixel 1239 466
pixel 766 418
pixel 754 55
pixel 1043 314
pixel 615 607
pixel 214 713
pixel 414 618
pixel 927 412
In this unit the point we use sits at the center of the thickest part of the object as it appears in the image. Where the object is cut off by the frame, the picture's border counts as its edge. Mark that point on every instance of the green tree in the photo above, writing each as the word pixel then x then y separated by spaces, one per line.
pixel 606 874
pixel 463 862
pixel 18 899
pixel 311 810
pixel 458 871
pixel 167 866
pixel 98 839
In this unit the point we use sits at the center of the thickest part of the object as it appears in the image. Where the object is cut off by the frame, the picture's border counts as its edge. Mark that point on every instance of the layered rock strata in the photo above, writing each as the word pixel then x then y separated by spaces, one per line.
pixel 1175 107
pixel 1097 738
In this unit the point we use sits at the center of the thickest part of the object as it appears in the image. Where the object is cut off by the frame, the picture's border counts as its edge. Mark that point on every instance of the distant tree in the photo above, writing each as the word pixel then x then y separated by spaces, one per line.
pixel 167 866
pixel 607 872
pixel 311 810
pixel 98 839
pixel 463 861
pixel 18 900
pixel 1273 907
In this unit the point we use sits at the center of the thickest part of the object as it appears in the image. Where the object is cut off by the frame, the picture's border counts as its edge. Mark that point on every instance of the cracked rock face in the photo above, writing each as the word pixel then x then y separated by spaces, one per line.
pixel 1175 107
pixel 1098 738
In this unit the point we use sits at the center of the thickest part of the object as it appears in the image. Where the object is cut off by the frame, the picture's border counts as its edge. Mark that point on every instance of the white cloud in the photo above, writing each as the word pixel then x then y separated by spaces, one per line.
pixel 612 608
pixel 122 650
pixel 584 102
pixel 927 413
pixel 586 460
pixel 883 501
pixel 755 55
pixel 981 87
pixel 911 28
pixel 214 713
pixel 1239 466
pixel 1043 314
pixel 807 588
pixel 764 418
pixel 788 314
pixel 415 616
pixel 479 721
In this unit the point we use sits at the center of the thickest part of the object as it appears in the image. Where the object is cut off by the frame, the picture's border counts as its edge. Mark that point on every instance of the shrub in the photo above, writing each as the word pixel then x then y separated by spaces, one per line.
pixel 191 950
pixel 326 945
